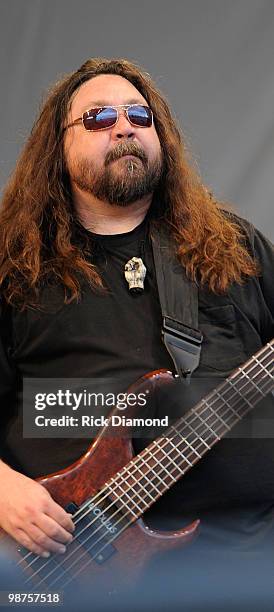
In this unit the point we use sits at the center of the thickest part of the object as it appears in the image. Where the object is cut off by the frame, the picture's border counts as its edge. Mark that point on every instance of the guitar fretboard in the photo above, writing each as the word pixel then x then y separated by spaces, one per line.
pixel 151 473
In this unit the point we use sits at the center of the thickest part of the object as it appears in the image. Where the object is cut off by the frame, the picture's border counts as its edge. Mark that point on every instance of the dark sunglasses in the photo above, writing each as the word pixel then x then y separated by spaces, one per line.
pixel 104 117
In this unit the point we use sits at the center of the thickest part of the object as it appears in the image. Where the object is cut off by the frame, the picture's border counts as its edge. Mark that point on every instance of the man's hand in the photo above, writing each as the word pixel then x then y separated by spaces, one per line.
pixel 30 515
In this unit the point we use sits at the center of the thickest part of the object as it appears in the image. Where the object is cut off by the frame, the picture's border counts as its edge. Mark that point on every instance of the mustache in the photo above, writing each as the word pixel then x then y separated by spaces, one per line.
pixel 126 148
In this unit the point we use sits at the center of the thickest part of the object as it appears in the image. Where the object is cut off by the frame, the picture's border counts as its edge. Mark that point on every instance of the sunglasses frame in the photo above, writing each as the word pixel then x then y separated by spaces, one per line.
pixel 123 107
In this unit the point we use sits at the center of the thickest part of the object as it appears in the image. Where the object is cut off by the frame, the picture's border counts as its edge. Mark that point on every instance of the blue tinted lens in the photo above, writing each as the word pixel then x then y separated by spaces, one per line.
pixel 99 118
pixel 140 115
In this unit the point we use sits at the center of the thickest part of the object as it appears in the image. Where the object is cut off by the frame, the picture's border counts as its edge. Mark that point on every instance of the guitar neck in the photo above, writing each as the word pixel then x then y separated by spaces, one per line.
pixel 151 473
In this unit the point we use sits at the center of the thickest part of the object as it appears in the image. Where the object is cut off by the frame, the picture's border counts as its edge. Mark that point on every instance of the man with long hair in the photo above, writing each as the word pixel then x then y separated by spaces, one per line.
pixel 105 164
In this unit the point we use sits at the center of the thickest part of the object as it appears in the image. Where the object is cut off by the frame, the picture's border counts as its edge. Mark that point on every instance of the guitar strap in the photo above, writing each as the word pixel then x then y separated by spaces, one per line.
pixel 179 304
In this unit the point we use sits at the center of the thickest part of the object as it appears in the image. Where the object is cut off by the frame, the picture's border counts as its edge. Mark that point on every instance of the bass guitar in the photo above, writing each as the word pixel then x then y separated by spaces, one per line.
pixel 109 489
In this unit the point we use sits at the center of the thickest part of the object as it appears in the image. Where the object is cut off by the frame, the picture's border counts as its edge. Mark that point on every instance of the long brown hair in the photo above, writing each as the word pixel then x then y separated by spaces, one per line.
pixel 37 215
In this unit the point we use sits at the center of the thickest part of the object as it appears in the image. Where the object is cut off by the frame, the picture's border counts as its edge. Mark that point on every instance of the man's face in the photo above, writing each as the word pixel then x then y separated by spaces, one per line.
pixel 99 162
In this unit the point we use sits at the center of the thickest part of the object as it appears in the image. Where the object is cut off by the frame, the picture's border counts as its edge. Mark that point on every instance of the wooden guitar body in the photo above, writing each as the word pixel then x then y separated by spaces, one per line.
pixel 133 547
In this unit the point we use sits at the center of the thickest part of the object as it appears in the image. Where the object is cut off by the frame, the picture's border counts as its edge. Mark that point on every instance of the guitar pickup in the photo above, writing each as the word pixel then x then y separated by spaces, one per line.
pixel 93 533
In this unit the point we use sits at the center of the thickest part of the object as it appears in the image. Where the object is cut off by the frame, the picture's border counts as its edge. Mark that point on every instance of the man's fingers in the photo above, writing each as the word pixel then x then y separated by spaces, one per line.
pixel 43 541
pixel 53 530
pixel 25 540
pixel 61 516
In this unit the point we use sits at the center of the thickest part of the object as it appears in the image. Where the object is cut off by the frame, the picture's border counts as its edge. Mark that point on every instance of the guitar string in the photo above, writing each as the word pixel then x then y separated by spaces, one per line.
pixel 70 578
pixel 159 450
pixel 64 572
pixel 137 468
pixel 122 518
pixel 137 483
pixel 142 458
pixel 96 542
pixel 134 459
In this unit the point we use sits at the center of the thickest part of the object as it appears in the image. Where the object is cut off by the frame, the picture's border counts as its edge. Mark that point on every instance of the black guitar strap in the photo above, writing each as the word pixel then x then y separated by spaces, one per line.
pixel 179 304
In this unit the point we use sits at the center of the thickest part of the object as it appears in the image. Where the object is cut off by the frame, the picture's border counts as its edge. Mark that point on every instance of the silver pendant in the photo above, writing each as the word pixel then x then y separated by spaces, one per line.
pixel 135 272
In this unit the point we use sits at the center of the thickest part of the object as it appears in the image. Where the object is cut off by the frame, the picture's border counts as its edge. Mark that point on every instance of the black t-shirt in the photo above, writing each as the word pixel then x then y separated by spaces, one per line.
pixel 115 335
pixel 118 334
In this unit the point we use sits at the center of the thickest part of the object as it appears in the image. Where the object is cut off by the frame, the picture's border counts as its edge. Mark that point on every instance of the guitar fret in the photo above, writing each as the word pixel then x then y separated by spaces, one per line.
pixel 126 492
pixel 186 441
pixel 250 365
pixel 257 389
pixel 154 473
pixel 135 502
pixel 228 405
pixel 139 482
pixel 246 387
pixel 235 391
pixel 204 421
pixel 204 401
pixel 137 468
pixel 180 456
pixel 213 433
pixel 191 434
pixel 198 437
pixel 126 476
pixel 263 367
pixel 250 380
pixel 182 439
pixel 164 468
pixel 212 416
pixel 143 476
pixel 119 499
pixel 161 479
pixel 196 429
pixel 209 428
pixel 239 393
pixel 168 456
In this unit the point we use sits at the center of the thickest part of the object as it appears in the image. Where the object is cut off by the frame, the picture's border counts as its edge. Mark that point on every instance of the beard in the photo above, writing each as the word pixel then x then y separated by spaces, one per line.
pixel 122 180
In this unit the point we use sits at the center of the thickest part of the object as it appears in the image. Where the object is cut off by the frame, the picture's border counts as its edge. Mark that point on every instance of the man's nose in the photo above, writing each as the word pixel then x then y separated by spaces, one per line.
pixel 123 128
